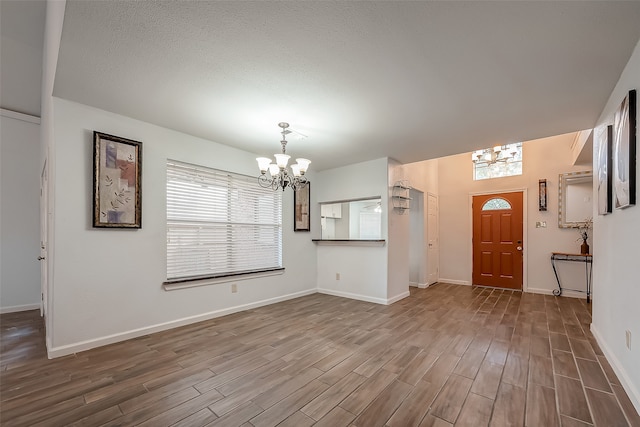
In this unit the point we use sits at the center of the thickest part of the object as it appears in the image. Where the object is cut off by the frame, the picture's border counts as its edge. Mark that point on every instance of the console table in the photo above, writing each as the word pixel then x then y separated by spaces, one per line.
pixel 587 259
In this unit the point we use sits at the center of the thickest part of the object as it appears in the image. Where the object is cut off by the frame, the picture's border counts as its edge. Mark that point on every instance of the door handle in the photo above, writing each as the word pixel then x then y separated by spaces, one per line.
pixel 519 248
pixel 40 258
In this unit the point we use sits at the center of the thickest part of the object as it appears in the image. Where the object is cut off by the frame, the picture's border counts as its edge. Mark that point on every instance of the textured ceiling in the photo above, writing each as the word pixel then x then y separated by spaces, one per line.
pixel 21 40
pixel 408 80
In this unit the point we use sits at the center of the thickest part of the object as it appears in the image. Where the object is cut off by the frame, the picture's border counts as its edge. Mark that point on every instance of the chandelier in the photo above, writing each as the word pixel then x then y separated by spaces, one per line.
pixel 279 176
pixel 499 153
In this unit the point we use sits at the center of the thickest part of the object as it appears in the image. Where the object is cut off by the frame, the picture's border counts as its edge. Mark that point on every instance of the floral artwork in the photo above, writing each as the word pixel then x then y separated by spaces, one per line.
pixel 116 182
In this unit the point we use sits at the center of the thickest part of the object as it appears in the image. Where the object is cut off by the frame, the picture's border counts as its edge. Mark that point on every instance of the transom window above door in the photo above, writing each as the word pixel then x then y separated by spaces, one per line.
pixel 496 204
pixel 497 162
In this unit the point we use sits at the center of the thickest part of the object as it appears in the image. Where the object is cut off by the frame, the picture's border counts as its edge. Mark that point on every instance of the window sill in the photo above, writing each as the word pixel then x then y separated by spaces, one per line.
pixel 193 283
pixel 349 242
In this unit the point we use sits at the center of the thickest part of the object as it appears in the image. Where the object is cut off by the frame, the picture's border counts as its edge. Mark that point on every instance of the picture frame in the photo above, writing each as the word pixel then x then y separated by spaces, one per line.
pixel 624 152
pixel 117 182
pixel 542 195
pixel 603 145
pixel 302 211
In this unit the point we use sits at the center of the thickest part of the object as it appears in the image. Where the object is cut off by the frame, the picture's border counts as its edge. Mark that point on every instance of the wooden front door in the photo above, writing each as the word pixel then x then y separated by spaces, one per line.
pixel 497 240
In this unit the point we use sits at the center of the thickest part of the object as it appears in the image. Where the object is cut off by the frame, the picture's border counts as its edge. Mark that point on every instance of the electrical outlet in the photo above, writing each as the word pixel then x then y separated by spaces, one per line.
pixel 627 335
pixel 337 276
pixel 234 288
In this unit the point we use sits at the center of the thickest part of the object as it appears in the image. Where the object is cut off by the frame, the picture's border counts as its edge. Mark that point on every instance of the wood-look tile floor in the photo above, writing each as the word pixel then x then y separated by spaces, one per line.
pixel 447 355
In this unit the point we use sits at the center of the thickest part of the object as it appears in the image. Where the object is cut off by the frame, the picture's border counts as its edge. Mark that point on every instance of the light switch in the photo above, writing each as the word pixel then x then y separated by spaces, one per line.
pixel 541 224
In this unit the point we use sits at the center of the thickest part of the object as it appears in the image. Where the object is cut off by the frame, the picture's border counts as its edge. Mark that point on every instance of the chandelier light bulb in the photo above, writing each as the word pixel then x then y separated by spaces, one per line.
pixel 263 164
pixel 282 160
pixel 274 169
pixel 304 165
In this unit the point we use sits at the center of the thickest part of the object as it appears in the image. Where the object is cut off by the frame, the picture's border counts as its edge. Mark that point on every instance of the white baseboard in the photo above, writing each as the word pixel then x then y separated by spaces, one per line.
pixel 565 292
pixel 16 308
pixel 455 282
pixel 398 297
pixel 419 285
pixel 352 296
pixel 627 384
pixel 65 350
pixel 366 298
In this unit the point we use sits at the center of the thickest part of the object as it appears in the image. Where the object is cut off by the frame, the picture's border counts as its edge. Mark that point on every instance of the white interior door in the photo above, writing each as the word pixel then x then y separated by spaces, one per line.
pixel 433 251
pixel 44 208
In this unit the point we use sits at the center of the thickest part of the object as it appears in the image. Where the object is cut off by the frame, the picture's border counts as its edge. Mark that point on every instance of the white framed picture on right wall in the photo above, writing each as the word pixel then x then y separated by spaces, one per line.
pixel 602 140
pixel 624 152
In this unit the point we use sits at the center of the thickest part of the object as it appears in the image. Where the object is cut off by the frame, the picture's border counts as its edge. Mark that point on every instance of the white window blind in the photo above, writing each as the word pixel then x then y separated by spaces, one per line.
pixel 220 223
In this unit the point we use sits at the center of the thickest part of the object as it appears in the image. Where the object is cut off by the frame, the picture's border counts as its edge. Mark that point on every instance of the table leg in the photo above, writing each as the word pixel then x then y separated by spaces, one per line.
pixel 556 292
pixel 589 273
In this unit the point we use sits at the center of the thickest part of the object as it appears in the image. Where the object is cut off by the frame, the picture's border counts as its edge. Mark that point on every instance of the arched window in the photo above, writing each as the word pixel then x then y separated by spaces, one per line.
pixel 495 204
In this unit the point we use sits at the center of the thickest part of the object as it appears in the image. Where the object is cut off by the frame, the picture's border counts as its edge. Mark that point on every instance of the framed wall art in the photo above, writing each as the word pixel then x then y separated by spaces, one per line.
pixel 542 195
pixel 624 152
pixel 602 142
pixel 301 203
pixel 117 179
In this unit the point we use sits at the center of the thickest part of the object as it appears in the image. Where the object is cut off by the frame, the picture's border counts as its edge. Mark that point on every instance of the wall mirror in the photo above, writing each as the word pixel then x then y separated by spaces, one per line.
pixel 352 220
pixel 575 198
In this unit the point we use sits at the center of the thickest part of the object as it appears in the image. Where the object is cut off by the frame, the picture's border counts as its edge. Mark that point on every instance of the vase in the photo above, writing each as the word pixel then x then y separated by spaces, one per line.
pixel 584 248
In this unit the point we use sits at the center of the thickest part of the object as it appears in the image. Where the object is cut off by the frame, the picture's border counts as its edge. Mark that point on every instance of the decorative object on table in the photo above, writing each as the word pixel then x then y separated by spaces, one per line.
pixel 583 229
pixel 624 152
pixel 302 216
pixel 542 195
pixel 602 139
pixel 117 182
pixel 279 176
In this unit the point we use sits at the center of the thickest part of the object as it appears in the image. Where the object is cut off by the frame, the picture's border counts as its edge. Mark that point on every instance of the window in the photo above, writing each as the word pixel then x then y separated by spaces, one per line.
pixel 370 225
pixel 220 223
pixel 495 205
pixel 506 161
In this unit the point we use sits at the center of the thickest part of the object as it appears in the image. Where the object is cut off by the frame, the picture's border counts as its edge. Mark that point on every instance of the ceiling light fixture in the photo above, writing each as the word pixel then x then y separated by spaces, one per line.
pixel 499 153
pixel 279 176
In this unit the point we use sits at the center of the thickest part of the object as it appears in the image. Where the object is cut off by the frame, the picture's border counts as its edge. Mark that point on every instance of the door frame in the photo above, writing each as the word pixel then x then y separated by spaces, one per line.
pixel 437 233
pixel 422 256
pixel 525 237
pixel 44 245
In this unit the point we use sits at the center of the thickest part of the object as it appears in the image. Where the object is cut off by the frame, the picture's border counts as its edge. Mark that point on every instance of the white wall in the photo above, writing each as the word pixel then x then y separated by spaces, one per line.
pixel 423 175
pixel 107 283
pixel 543 158
pixel 19 212
pixel 616 275
pixel 397 240
pixel 362 269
